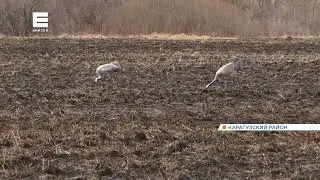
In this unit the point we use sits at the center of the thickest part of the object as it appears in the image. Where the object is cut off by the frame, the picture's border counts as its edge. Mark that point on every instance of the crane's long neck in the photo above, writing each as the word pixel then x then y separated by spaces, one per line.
pixel 215 78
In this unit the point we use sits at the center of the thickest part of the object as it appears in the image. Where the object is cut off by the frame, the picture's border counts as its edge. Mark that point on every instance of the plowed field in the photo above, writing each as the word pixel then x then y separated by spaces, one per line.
pixel 152 119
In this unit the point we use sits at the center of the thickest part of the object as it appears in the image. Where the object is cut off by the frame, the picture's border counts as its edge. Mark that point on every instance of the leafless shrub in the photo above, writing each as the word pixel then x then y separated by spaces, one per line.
pixel 211 17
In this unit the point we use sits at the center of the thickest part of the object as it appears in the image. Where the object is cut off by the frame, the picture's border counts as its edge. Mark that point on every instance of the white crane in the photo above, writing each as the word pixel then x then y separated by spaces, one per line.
pixel 105 69
pixel 226 70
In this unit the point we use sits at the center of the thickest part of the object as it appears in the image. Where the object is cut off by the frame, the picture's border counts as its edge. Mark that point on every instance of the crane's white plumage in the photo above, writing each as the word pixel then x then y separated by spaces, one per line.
pixel 225 70
pixel 105 69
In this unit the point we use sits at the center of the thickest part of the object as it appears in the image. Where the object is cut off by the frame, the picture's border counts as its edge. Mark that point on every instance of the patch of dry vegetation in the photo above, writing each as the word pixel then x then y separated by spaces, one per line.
pixel 245 18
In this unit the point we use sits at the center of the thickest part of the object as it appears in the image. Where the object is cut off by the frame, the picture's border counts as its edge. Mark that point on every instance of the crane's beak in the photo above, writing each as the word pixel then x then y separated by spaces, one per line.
pixel 204 90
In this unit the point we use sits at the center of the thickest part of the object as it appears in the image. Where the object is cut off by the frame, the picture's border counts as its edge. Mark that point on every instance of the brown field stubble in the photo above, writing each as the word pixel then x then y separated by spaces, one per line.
pixel 152 120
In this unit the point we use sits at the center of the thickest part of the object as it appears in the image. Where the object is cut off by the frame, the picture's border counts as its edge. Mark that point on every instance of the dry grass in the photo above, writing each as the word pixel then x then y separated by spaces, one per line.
pixel 222 18
pixel 157 36
pixel 152 121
